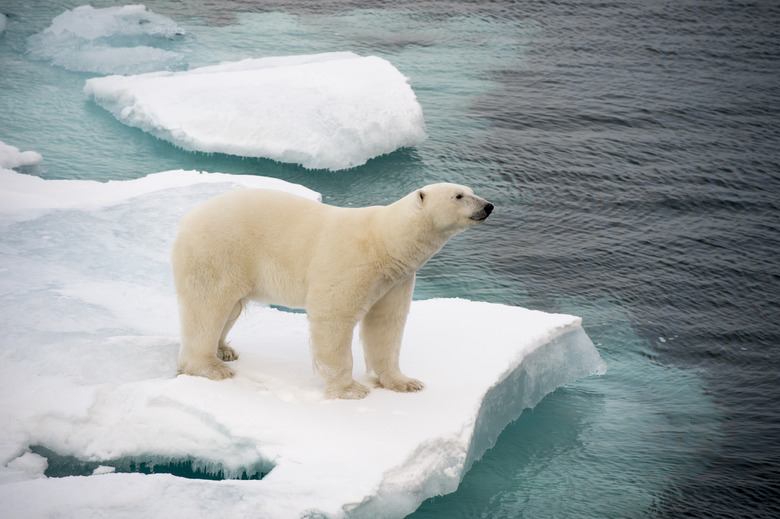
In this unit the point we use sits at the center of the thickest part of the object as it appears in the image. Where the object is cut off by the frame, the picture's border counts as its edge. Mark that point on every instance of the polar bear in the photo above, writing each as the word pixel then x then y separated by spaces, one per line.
pixel 344 266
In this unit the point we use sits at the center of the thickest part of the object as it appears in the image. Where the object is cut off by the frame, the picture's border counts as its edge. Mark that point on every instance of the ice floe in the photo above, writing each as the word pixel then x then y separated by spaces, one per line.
pixel 323 111
pixel 88 372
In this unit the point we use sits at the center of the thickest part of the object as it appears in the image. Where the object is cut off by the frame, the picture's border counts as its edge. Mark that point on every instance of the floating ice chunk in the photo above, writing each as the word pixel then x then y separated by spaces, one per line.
pixel 113 40
pixel 88 369
pixel 11 157
pixel 325 111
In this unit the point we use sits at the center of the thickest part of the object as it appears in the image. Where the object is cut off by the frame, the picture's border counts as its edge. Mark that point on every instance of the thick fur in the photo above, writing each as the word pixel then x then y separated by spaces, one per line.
pixel 343 265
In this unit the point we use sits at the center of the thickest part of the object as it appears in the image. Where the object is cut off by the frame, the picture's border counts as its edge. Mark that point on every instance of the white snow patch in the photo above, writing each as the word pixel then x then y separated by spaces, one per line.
pixel 88 369
pixel 324 111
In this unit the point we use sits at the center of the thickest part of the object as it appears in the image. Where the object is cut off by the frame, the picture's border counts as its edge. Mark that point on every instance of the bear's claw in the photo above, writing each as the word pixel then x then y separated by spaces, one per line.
pixel 402 385
pixel 226 353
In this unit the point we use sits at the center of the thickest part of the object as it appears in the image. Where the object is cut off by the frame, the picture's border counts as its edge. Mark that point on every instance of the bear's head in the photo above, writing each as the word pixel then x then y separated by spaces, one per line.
pixel 452 208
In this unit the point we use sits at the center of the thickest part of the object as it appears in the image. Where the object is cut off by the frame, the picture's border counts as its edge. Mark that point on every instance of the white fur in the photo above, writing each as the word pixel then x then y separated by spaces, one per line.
pixel 343 265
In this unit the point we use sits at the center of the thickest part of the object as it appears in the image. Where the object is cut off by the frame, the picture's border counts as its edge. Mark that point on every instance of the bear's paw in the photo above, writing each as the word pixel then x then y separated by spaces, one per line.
pixel 215 370
pixel 352 391
pixel 401 384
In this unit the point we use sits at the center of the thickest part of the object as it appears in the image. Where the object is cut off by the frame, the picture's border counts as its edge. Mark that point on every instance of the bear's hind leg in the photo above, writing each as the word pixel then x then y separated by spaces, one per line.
pixel 202 326
pixel 381 332
pixel 224 351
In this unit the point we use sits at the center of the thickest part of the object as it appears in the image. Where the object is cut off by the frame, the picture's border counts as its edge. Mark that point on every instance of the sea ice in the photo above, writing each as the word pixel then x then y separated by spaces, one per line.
pixel 11 157
pixel 323 111
pixel 112 40
pixel 88 369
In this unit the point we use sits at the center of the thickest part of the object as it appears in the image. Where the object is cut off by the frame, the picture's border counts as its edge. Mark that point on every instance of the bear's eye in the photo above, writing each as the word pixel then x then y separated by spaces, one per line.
pixel 458 196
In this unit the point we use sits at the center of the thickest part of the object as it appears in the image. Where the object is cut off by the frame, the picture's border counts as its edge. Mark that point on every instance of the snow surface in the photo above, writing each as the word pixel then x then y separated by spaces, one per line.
pixel 113 40
pixel 88 369
pixel 323 111
pixel 11 157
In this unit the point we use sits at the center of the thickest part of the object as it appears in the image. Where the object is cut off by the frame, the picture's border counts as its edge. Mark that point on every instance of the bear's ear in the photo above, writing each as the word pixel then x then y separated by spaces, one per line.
pixel 420 196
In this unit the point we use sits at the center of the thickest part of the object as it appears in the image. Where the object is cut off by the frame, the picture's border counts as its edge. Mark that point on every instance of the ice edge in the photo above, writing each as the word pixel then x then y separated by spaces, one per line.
pixel 525 384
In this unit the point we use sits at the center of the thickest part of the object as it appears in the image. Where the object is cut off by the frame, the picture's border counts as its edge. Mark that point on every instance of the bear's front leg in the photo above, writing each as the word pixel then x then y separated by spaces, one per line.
pixel 331 342
pixel 382 330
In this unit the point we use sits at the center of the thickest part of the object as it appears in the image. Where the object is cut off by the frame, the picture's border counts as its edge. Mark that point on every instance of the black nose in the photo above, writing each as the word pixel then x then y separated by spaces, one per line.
pixel 488 209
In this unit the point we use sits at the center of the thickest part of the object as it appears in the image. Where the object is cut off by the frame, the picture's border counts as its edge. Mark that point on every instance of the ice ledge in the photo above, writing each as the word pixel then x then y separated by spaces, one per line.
pixel 550 350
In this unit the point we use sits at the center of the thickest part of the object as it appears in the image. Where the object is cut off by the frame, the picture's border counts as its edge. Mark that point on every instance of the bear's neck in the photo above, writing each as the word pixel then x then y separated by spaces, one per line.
pixel 409 239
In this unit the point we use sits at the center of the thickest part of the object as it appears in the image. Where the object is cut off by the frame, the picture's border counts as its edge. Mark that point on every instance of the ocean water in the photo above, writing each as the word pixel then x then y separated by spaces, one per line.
pixel 631 150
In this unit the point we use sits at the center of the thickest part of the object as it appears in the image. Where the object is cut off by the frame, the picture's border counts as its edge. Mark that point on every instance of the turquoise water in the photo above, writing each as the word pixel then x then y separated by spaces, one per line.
pixel 630 150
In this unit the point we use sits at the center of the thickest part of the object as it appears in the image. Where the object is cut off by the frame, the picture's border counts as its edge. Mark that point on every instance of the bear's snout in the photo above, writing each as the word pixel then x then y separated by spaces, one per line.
pixel 483 213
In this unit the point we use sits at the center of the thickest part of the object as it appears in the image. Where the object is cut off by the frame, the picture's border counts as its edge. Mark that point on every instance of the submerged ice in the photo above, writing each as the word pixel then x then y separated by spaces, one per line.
pixel 115 40
pixel 324 111
pixel 88 371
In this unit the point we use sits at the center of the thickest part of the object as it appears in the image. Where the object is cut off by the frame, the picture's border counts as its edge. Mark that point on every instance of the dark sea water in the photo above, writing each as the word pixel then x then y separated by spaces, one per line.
pixel 632 149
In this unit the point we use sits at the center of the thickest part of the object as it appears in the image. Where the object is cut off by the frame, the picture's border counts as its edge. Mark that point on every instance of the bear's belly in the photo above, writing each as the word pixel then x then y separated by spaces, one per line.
pixel 279 288
pixel 274 299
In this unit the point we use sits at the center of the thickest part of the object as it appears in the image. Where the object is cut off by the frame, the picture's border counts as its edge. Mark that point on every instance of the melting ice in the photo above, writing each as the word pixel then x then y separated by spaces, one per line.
pixel 113 40
pixel 88 370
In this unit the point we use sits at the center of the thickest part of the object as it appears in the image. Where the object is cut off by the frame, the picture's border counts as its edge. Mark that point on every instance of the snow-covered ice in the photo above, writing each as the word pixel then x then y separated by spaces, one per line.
pixel 88 369
pixel 11 157
pixel 112 40
pixel 323 111
pixel 23 197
